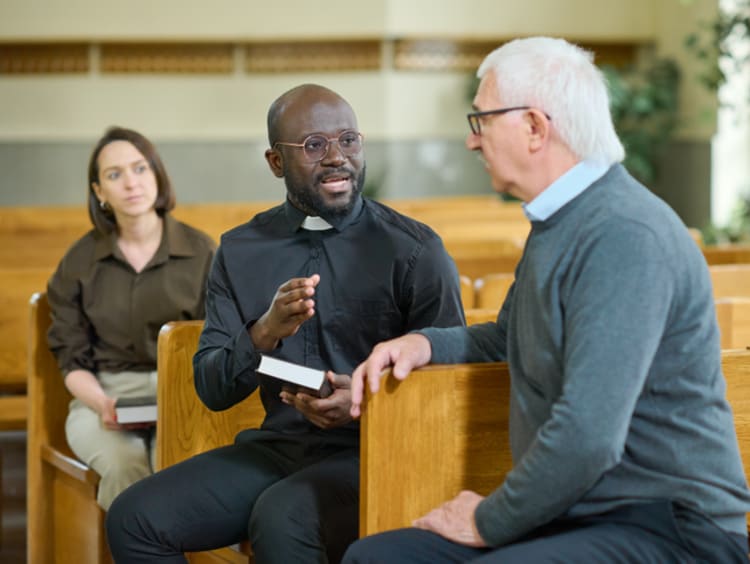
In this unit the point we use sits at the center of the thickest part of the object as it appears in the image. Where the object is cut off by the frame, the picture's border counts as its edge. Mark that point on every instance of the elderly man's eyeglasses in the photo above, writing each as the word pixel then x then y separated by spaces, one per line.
pixel 475 118
pixel 315 147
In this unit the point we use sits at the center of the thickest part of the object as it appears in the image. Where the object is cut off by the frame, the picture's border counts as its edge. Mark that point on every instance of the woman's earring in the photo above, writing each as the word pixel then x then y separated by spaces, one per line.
pixel 103 205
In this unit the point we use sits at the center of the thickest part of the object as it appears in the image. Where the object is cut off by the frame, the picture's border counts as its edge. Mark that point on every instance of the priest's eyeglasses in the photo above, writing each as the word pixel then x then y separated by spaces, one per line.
pixel 315 147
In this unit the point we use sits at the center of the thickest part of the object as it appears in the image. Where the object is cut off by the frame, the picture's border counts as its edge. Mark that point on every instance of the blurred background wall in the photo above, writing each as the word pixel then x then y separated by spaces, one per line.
pixel 197 78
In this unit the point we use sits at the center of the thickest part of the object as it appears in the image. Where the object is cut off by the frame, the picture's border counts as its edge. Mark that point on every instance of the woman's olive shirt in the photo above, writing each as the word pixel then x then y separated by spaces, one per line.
pixel 106 316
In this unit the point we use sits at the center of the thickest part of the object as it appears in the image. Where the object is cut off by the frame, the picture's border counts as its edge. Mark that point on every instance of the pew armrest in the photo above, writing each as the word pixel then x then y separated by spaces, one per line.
pixel 69 465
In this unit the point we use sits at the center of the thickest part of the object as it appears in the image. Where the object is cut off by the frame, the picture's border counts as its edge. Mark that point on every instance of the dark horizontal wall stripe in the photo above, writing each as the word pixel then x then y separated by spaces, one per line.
pixel 313 56
pixel 167 58
pixel 267 56
pixel 46 58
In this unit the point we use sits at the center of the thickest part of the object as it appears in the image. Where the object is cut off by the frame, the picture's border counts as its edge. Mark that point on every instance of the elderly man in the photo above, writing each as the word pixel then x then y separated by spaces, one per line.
pixel 623 443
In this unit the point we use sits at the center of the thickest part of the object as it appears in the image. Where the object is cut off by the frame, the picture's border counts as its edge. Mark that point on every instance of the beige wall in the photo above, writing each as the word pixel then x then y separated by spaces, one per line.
pixel 588 20
pixel 391 104
pixel 254 19
pixel 189 19
pixel 211 128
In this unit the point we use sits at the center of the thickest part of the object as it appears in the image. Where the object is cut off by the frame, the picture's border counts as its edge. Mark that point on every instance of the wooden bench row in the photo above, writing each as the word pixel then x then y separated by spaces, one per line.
pixel 37 236
pixel 459 439
pixel 61 498
pixel 18 285
pixel 731 288
pixel 482 233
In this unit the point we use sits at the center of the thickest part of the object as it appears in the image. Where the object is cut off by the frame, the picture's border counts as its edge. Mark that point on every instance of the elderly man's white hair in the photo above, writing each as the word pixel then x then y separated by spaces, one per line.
pixel 560 79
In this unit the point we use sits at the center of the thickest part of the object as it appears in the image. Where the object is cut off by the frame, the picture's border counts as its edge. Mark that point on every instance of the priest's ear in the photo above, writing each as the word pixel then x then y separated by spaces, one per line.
pixel 275 162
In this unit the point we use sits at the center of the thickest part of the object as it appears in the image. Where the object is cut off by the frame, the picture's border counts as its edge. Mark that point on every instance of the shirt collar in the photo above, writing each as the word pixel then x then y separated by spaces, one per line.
pixel 315 223
pixel 297 217
pixel 563 190
pixel 174 242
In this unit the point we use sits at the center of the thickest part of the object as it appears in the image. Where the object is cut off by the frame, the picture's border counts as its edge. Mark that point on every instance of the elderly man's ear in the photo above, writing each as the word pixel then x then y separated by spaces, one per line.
pixel 274 160
pixel 538 129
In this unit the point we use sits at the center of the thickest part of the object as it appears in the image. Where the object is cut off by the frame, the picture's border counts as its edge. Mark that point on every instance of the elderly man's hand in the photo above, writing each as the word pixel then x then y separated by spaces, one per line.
pixel 404 354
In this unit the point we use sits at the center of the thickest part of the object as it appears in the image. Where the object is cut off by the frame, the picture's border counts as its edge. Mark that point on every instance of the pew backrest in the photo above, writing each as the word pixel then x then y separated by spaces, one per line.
pixel 445 428
pixel 186 426
pixel 727 254
pixel 730 280
pixel 424 439
pixel 491 289
pixel 733 315
pixel 467 292
pixel 18 285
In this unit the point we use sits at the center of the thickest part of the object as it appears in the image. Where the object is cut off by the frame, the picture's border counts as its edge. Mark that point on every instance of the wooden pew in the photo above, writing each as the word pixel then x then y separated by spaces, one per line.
pixel 731 288
pixel 491 289
pixel 467 292
pixel 18 284
pixel 457 421
pixel 65 525
pixel 733 315
pixel 33 239
pixel 467 206
pixel 480 315
pixel 32 236
pixel 39 235
pixel 186 426
pixel 727 254
pixel 476 257
pixel 475 229
pixel 730 280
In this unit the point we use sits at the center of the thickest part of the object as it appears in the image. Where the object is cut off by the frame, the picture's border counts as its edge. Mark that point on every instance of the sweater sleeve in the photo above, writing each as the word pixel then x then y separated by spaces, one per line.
pixel 616 309
pixel 483 342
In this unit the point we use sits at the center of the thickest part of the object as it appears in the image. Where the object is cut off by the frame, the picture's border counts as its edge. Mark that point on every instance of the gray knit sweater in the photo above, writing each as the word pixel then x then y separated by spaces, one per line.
pixel 617 394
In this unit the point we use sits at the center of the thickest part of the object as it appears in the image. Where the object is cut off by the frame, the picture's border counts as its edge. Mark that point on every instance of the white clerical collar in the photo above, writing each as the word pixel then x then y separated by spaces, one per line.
pixel 314 223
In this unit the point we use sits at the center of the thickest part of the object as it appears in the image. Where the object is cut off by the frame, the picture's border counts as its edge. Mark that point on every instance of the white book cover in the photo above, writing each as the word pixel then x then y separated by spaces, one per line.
pixel 301 376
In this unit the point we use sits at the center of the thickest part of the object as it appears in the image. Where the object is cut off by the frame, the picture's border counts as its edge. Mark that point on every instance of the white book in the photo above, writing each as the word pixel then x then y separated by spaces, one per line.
pixel 140 409
pixel 297 378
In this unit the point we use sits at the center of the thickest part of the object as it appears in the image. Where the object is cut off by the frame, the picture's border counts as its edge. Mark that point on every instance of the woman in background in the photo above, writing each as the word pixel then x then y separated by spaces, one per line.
pixel 114 288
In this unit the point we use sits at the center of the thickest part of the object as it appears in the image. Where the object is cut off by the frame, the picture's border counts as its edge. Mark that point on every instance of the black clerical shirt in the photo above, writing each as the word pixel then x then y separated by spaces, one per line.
pixel 381 275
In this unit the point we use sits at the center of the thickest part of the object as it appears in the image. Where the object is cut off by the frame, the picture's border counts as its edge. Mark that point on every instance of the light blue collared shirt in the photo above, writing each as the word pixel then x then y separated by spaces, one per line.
pixel 563 190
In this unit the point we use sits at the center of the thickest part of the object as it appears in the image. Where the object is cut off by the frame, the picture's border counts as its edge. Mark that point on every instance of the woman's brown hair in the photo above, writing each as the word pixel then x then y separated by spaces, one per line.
pixel 102 217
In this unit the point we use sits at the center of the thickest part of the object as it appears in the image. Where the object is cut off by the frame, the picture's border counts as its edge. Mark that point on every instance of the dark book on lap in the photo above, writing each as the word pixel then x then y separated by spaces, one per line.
pixel 140 409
